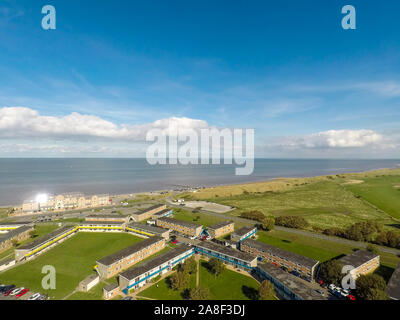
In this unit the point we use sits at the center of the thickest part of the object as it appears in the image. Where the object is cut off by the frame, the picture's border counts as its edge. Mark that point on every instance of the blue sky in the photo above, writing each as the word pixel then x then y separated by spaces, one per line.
pixel 285 68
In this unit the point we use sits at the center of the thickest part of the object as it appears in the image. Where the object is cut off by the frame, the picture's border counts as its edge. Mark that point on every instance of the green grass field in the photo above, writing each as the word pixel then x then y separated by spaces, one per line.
pixel 229 285
pixel 73 259
pixel 203 218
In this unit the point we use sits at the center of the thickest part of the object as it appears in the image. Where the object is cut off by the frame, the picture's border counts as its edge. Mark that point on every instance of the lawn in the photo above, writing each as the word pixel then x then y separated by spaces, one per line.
pixel 73 259
pixel 196 217
pixel 229 285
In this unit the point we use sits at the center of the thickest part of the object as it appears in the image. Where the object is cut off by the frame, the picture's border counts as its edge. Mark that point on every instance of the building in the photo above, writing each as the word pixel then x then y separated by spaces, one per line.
pixel 6 264
pixel 8 226
pixel 102 226
pixel 42 244
pixel 147 230
pixel 183 227
pixel 164 213
pixel 221 229
pixel 148 213
pixel 393 287
pixel 89 282
pixel 107 217
pixel 138 276
pixel 227 255
pixel 291 261
pixel 110 291
pixel 286 285
pixel 18 234
pixel 362 261
pixel 115 263
pixel 30 206
pixel 243 234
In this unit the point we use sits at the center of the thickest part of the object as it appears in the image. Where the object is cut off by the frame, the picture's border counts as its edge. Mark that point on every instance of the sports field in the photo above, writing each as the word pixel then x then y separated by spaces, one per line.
pixel 73 260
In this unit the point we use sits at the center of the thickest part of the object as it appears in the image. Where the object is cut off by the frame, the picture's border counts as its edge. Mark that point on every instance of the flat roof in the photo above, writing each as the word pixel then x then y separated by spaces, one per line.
pixel 358 258
pixel 162 212
pixel 228 251
pixel 146 227
pixel 136 271
pixel 393 287
pixel 290 256
pixel 220 224
pixel 89 279
pixel 46 238
pixel 180 222
pixel 242 231
pixel 14 223
pixel 15 232
pixel 105 223
pixel 115 257
pixel 6 261
pixel 295 284
pixel 149 209
pixel 111 286
pixel 107 216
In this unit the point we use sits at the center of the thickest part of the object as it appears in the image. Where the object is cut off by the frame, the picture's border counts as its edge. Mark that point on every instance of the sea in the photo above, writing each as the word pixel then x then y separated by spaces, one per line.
pixel 22 179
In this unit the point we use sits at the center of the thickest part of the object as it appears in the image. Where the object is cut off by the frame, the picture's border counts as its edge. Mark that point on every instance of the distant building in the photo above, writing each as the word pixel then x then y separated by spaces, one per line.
pixel 163 213
pixel 102 226
pixel 393 287
pixel 89 282
pixel 289 260
pixel 362 261
pixel 148 213
pixel 243 233
pixel 117 262
pixel 221 229
pixel 19 234
pixel 147 230
pixel 107 217
pixel 183 227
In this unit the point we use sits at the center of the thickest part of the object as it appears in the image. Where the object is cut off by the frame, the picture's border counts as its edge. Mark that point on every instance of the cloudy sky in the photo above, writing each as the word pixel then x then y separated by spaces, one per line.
pixel 112 70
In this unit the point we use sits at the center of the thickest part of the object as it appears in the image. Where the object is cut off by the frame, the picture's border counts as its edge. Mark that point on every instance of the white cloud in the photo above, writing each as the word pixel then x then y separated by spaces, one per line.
pixel 22 123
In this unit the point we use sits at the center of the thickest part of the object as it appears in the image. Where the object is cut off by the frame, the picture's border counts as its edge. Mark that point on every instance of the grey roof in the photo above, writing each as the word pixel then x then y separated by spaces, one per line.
pixel 220 225
pixel 111 286
pixel 46 238
pixel 180 222
pixel 115 257
pixel 242 231
pixel 227 251
pixel 13 233
pixel 295 284
pixel 107 216
pixel 146 227
pixel 105 223
pixel 160 213
pixel 393 287
pixel 149 209
pixel 358 258
pixel 14 223
pixel 136 271
pixel 89 279
pixel 6 261
pixel 290 256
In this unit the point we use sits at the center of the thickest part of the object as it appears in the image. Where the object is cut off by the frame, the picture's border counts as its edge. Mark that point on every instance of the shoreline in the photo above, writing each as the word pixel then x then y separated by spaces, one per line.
pixel 133 194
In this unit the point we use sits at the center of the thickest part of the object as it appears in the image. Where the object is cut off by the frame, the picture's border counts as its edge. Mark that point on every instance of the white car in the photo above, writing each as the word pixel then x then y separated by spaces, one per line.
pixel 16 291
pixel 344 292
pixel 332 287
pixel 36 296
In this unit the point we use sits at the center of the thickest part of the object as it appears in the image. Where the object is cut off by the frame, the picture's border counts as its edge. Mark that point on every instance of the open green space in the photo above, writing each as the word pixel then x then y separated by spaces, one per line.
pixel 73 260
pixel 197 217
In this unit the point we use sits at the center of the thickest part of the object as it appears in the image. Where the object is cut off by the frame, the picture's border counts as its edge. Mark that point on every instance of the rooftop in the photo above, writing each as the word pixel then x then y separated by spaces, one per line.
pixel 15 232
pixel 180 222
pixel 89 279
pixel 146 227
pixel 393 287
pixel 149 209
pixel 220 225
pixel 111 286
pixel 105 223
pixel 160 213
pixel 115 257
pixel 358 258
pixel 227 251
pixel 290 256
pixel 46 238
pixel 297 285
pixel 136 271
pixel 243 231
pixel 107 216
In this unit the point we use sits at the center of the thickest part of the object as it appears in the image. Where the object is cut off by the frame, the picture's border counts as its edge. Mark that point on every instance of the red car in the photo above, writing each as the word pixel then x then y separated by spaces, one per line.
pixel 7 293
pixel 21 293
pixel 351 297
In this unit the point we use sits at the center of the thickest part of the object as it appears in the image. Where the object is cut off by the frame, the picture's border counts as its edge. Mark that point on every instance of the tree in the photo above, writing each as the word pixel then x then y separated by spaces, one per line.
pixel 189 266
pixel 32 233
pixel 179 280
pixel 216 266
pixel 266 290
pixel 372 248
pixel 199 293
pixel 268 223
pixel 331 271
pixel 371 287
pixel 292 222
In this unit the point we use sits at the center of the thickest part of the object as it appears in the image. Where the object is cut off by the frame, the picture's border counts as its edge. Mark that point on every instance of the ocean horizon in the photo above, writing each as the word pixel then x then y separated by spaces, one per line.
pixel 22 178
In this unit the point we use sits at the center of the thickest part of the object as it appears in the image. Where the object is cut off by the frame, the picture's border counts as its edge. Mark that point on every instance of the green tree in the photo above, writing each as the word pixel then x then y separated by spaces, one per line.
pixel 268 223
pixel 371 287
pixel 331 271
pixel 179 280
pixel 372 248
pixel 216 266
pixel 190 265
pixel 199 293
pixel 266 290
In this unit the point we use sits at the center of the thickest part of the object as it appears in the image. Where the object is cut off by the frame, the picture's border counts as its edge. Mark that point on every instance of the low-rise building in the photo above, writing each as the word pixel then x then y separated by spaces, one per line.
pixel 148 213
pixel 42 244
pixel 221 229
pixel 289 260
pixel 8 226
pixel 183 227
pixel 243 234
pixel 102 226
pixel 18 234
pixel 110 291
pixel 138 276
pixel 147 230
pixel 393 287
pixel 363 262
pixel 107 217
pixel 89 282
pixel 286 285
pixel 227 255
pixel 163 213
pixel 115 263
pixel 6 264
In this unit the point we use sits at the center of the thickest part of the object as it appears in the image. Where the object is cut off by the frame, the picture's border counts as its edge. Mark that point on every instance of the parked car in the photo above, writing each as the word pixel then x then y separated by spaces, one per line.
pixel 21 293
pixel 36 296
pixel 6 288
pixel 16 291
pixel 42 297
pixel 127 298
pixel 351 297
pixel 320 292
pixel 331 288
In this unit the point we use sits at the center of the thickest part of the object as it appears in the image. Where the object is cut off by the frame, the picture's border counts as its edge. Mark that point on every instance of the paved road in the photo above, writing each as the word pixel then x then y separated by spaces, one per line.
pixel 295 231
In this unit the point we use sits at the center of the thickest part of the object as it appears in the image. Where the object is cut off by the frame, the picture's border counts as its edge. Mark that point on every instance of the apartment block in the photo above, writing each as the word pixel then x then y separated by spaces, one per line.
pixel 18 234
pixel 243 234
pixel 221 229
pixel 362 261
pixel 148 213
pixel 183 227
pixel 146 230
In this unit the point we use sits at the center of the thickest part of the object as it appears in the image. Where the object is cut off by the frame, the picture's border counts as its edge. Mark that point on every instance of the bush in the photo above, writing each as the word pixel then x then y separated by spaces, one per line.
pixel 253 215
pixel 371 287
pixel 292 222
pixel 331 271
pixel 267 224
